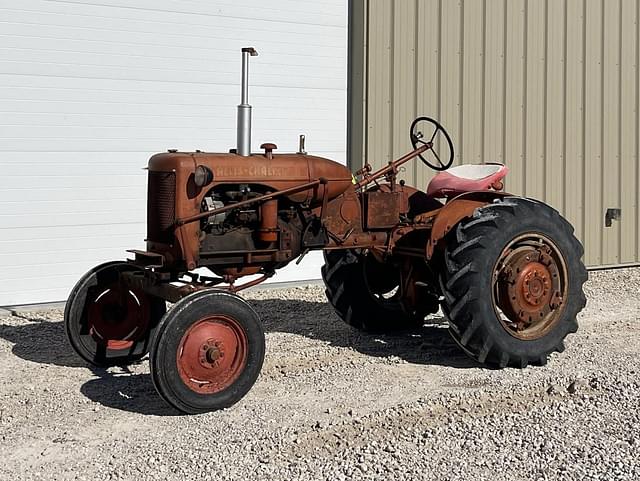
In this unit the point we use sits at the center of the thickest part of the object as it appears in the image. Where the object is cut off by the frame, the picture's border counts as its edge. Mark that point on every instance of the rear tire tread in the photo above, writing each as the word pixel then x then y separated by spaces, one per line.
pixel 346 291
pixel 461 262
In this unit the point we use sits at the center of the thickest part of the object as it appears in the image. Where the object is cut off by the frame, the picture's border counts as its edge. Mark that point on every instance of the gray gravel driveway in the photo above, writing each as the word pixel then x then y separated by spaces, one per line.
pixel 333 403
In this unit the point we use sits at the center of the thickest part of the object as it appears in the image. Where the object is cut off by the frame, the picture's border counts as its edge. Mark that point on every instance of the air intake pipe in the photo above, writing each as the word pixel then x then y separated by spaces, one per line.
pixel 244 109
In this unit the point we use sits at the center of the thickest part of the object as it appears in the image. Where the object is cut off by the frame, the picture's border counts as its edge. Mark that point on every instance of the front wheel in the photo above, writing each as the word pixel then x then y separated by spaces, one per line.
pixel 108 323
pixel 513 282
pixel 207 352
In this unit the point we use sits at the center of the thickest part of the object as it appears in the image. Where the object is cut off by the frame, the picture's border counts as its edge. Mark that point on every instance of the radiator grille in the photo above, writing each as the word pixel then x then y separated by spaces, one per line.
pixel 161 206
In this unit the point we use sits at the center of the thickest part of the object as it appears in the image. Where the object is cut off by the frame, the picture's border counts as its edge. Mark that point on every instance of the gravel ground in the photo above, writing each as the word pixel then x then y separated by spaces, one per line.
pixel 332 403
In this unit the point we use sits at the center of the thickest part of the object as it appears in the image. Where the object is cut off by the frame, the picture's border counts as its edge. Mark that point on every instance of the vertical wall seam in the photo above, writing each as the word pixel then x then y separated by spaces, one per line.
pixel 545 103
pixel 439 72
pixel 483 81
pixel 416 29
pixel 524 96
pixel 564 109
pixel 392 75
pixel 367 82
pixel 504 84
pixel 461 84
pixel 356 83
pixel 584 117
pixel 601 213
pixel 365 74
pixel 620 229
pixel 637 152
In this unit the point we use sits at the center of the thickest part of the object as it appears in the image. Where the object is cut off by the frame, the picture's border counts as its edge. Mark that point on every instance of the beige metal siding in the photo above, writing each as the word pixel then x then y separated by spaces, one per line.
pixel 550 87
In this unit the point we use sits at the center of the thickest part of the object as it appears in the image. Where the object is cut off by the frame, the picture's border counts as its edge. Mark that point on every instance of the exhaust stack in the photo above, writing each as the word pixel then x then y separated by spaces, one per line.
pixel 244 109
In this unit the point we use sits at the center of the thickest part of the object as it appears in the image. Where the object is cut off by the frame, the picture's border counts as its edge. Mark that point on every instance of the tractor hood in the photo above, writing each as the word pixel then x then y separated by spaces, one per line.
pixel 271 172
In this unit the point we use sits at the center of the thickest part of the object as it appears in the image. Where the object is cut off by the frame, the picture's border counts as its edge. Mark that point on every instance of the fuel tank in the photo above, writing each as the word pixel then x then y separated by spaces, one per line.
pixel 271 171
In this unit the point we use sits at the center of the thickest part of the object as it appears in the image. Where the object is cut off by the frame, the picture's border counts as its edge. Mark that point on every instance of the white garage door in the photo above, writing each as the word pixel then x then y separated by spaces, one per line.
pixel 89 90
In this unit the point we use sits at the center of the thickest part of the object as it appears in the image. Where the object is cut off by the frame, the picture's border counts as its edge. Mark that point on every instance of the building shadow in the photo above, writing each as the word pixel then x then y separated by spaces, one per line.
pixel 44 341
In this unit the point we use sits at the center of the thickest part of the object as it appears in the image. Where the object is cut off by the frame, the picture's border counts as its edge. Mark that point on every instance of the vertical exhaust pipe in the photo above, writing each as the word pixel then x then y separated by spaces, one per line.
pixel 244 109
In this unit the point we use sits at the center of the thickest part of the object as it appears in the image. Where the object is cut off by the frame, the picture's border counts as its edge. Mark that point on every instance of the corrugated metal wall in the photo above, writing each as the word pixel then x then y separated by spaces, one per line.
pixel 550 87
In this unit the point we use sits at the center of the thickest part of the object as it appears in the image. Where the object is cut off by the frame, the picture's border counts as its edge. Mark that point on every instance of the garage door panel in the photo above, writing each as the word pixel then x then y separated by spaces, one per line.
pixel 321 142
pixel 76 194
pixel 91 208
pixel 26 296
pixel 277 13
pixel 282 10
pixel 45 37
pixel 54 219
pixel 82 122
pixel 136 61
pixel 68 246
pixel 34 182
pixel 99 110
pixel 96 230
pixel 89 167
pixel 135 72
pixel 140 24
pixel 151 89
pixel 181 59
pixel 89 90
pixel 80 252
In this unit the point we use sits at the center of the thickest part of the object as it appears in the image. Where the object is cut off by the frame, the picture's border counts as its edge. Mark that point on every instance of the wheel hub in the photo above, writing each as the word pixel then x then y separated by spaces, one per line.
pixel 529 287
pixel 118 318
pixel 532 286
pixel 212 354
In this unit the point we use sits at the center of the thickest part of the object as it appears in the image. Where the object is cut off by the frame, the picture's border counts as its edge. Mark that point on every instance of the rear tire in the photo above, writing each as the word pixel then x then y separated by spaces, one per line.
pixel 355 284
pixel 504 267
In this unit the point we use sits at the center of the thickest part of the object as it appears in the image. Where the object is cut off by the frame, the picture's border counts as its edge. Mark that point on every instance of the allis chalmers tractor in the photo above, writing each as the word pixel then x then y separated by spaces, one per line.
pixel 505 270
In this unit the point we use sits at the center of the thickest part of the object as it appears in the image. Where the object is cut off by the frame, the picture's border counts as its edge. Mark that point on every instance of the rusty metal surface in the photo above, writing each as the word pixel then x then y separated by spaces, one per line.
pixel 282 171
pixel 454 211
pixel 530 286
pixel 266 197
pixel 212 354
pixel 161 200
pixel 268 221
pixel 334 211
pixel 382 209
pixel 391 168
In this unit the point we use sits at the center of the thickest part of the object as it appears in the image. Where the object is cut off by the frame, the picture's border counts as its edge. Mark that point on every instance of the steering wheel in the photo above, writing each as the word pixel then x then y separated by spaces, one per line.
pixel 417 137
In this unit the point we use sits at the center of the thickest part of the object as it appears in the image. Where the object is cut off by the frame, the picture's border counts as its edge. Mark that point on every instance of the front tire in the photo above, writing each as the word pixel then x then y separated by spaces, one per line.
pixel 513 283
pixel 107 323
pixel 207 352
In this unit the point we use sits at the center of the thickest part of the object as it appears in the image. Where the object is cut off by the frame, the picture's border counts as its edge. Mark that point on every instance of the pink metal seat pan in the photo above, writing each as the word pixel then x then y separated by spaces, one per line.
pixel 465 178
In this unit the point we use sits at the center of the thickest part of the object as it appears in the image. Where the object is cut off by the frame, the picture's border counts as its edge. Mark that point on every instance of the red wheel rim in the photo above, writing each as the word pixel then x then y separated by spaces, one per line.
pixel 530 286
pixel 212 354
pixel 117 318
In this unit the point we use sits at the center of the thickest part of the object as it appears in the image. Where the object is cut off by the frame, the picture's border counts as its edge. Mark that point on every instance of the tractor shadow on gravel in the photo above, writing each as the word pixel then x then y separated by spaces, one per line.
pixel 43 341
pixel 431 344
pixel 126 391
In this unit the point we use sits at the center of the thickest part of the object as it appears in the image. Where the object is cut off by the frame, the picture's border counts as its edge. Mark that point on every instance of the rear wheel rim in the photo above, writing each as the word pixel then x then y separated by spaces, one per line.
pixel 212 354
pixel 117 318
pixel 382 281
pixel 530 283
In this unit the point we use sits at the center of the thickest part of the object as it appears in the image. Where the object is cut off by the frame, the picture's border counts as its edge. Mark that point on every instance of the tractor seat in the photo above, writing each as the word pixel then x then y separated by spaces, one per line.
pixel 465 178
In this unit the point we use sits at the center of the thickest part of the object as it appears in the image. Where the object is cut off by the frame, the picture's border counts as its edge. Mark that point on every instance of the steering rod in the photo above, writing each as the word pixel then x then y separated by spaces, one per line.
pixel 393 165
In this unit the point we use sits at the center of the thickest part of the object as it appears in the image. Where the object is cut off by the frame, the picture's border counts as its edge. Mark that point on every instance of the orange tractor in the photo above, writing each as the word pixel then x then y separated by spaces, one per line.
pixel 505 270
